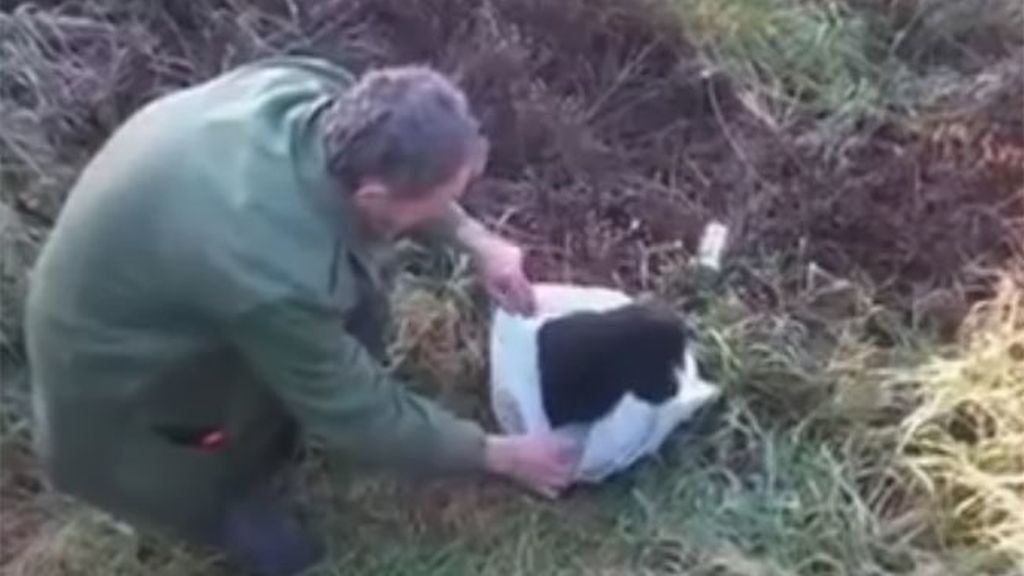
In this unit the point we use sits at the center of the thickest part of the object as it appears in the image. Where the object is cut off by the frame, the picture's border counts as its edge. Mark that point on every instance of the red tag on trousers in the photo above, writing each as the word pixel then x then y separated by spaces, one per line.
pixel 213 439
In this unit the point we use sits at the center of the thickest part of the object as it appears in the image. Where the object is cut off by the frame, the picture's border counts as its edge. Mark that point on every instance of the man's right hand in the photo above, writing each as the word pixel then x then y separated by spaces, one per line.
pixel 543 463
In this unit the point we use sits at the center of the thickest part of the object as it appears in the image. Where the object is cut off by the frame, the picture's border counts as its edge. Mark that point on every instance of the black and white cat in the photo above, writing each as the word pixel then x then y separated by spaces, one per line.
pixel 616 373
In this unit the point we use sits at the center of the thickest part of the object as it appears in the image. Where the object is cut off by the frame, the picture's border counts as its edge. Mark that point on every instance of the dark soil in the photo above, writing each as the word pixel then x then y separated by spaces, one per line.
pixel 612 143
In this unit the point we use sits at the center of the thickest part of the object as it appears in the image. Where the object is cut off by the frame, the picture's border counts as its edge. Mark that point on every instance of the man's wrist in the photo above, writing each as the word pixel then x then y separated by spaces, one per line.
pixel 496 455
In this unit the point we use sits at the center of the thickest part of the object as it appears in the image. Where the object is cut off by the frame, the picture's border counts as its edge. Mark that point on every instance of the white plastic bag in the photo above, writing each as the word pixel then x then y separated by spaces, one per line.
pixel 633 429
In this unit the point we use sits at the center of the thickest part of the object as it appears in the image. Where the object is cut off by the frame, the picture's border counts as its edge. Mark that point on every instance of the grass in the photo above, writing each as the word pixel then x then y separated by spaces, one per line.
pixel 439 320
pixel 17 247
pixel 839 66
pixel 799 472
pixel 769 483
pixel 797 61
pixel 962 447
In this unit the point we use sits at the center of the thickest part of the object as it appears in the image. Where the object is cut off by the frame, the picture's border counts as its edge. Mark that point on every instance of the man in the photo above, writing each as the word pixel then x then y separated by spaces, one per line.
pixel 213 284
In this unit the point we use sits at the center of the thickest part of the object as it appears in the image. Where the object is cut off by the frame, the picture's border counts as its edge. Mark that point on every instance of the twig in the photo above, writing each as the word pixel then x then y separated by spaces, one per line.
pixel 740 153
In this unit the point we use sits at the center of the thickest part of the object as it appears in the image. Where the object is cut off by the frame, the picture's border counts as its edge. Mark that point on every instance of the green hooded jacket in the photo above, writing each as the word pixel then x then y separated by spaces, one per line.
pixel 203 291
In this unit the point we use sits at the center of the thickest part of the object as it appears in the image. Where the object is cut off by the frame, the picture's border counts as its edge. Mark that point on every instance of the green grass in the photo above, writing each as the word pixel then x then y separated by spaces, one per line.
pixel 806 468
pixel 795 61
pixel 830 68
pixel 787 476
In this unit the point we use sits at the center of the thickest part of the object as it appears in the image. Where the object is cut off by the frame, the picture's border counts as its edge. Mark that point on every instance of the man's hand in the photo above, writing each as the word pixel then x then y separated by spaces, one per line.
pixel 501 269
pixel 543 463
pixel 499 262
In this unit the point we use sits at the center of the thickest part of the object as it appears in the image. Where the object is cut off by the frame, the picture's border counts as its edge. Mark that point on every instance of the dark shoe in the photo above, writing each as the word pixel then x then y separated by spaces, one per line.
pixel 265 539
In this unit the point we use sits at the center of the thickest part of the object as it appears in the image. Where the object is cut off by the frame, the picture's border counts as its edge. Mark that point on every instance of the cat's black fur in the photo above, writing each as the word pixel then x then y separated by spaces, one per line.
pixel 589 360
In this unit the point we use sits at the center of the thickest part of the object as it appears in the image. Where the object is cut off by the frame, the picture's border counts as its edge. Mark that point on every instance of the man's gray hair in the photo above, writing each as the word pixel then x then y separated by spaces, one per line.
pixel 408 126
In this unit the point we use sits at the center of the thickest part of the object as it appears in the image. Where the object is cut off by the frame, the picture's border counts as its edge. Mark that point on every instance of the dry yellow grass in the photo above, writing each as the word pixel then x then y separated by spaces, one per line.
pixel 963 447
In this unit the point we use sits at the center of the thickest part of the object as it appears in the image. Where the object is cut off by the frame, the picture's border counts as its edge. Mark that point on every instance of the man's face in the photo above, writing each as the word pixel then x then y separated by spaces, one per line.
pixel 389 215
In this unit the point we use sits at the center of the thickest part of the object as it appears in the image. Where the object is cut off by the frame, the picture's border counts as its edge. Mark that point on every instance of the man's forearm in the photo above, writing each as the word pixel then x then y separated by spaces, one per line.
pixel 467 232
pixel 456 228
pixel 499 261
pixel 344 398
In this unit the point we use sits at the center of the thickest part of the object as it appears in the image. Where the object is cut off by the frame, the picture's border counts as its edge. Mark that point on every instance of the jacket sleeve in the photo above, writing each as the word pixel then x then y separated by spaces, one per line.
pixel 444 230
pixel 344 398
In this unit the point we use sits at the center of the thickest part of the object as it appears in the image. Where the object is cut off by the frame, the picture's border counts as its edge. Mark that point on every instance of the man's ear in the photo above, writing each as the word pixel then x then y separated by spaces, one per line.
pixel 371 194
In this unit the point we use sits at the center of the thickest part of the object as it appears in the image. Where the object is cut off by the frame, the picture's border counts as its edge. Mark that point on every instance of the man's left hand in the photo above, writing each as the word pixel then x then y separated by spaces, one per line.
pixel 500 264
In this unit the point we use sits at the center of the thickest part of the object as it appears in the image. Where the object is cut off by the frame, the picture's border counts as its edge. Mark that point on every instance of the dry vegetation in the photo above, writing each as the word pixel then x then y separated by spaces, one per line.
pixel 867 155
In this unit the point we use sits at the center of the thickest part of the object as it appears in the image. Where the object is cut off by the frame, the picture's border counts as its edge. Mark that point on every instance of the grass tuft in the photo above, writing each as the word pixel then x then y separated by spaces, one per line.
pixel 87 544
pixel 796 60
pixel 963 447
pixel 439 338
